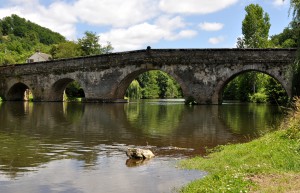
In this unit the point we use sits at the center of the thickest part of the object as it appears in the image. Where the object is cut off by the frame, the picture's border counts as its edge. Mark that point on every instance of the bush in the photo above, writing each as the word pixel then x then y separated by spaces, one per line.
pixel 258 98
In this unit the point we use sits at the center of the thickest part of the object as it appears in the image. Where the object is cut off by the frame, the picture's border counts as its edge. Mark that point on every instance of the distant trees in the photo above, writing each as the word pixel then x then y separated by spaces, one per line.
pixel 22 28
pixel 154 84
pixel 20 38
pixel 67 49
pixel 86 46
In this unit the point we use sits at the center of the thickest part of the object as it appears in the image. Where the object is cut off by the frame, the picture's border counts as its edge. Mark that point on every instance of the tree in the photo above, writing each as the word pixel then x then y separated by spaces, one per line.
pixel 90 45
pixel 67 49
pixel 295 8
pixel 253 86
pixel 134 90
pixel 255 28
pixel 286 39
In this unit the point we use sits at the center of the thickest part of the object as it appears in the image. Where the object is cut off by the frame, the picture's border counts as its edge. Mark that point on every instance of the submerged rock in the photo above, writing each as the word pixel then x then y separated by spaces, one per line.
pixel 136 153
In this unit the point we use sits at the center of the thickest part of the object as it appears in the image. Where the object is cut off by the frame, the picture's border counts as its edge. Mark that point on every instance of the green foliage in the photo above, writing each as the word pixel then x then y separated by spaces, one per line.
pixel 295 7
pixel 253 86
pixel 258 98
pixel 255 28
pixel 67 49
pixel 275 92
pixel 293 126
pixel 134 90
pixel 286 39
pixel 19 39
pixel 21 28
pixel 90 45
pixel 154 84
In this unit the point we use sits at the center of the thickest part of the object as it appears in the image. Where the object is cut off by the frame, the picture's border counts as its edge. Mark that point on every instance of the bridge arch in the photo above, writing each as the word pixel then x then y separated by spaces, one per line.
pixel 278 76
pixel 126 80
pixel 58 88
pixel 17 92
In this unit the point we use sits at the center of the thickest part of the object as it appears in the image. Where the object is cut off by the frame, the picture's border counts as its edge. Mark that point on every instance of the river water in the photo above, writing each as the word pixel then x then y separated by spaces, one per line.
pixel 77 147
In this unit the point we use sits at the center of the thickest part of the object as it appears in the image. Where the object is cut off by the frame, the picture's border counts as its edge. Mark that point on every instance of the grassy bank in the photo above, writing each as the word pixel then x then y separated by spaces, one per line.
pixel 268 164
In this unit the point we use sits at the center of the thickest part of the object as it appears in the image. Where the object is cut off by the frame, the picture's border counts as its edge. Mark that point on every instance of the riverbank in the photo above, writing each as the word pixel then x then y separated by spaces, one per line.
pixel 268 164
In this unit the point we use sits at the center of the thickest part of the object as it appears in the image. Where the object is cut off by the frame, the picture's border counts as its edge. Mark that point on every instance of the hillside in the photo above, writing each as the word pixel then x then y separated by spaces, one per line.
pixel 20 38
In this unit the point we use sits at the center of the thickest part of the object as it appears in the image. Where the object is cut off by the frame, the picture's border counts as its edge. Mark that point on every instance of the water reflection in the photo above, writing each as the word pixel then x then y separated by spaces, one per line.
pixel 34 135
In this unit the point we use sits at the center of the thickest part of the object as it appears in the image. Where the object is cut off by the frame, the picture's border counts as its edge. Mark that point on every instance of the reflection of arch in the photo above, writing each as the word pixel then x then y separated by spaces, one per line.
pixel 125 82
pixel 217 95
pixel 58 88
pixel 17 92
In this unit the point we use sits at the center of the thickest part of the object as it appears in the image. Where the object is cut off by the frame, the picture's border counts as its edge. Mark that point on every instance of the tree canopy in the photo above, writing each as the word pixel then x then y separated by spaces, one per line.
pixel 255 27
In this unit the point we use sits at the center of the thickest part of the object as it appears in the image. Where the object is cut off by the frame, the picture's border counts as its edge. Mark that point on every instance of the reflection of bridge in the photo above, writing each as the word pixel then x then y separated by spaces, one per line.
pixel 201 73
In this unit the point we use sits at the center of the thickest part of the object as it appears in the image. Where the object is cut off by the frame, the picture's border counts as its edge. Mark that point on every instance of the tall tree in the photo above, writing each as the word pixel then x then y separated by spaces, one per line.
pixel 255 30
pixel 255 27
pixel 295 8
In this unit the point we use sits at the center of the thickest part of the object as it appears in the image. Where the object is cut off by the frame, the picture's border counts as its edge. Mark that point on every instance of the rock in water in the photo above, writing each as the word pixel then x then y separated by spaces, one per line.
pixel 136 153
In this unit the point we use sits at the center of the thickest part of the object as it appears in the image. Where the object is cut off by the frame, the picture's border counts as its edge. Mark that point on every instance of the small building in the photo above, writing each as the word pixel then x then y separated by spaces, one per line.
pixel 38 57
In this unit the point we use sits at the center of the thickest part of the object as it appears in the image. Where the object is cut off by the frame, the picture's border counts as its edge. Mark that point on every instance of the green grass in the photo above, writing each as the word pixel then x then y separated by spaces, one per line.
pixel 233 168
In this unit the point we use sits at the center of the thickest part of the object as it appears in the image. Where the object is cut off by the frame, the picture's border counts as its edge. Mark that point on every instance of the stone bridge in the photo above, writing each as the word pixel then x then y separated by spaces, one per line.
pixel 201 73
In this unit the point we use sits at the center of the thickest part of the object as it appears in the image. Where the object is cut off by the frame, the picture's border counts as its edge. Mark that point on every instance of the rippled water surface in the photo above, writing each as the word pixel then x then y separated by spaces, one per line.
pixel 74 147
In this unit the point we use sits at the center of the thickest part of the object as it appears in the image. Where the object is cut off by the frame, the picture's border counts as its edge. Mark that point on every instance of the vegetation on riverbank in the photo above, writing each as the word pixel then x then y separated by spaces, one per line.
pixel 251 167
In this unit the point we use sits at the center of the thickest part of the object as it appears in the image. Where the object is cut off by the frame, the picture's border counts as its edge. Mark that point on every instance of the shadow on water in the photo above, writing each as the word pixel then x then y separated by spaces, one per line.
pixel 36 135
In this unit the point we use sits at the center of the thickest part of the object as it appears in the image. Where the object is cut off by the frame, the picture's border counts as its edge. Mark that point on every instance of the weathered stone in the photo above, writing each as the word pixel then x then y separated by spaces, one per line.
pixel 136 153
pixel 201 73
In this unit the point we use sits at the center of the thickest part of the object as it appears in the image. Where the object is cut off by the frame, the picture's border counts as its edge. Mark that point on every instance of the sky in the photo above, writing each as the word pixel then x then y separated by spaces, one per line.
pixel 136 24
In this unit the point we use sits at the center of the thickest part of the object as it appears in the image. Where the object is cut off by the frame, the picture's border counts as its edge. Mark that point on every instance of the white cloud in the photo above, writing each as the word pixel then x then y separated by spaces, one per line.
pixel 216 40
pixel 194 6
pixel 206 26
pixel 62 17
pixel 279 2
pixel 141 35
pixel 134 37
pixel 170 23
pixel 117 13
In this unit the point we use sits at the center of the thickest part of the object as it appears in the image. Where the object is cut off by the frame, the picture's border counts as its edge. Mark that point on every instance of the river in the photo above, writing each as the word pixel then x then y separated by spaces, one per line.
pixel 79 147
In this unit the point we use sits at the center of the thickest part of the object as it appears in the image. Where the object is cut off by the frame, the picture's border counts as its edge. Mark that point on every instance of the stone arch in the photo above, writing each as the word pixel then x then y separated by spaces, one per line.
pixel 58 88
pixel 125 81
pixel 17 92
pixel 217 95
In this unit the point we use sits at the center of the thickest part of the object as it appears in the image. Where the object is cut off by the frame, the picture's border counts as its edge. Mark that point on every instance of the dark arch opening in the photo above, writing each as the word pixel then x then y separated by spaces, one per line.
pixel 152 84
pixel 254 86
pixel 19 92
pixel 67 89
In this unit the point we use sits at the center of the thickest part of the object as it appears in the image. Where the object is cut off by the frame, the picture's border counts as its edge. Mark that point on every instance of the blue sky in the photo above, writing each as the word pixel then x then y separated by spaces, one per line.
pixel 135 24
